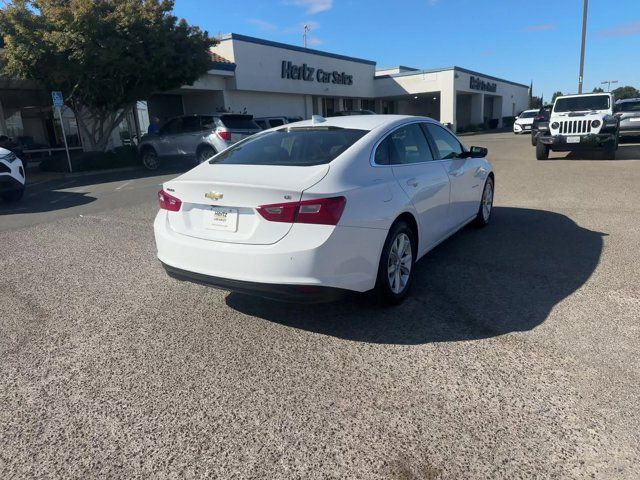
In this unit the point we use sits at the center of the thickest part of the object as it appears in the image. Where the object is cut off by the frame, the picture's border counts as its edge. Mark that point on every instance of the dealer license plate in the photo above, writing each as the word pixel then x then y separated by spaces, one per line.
pixel 527 127
pixel 219 218
pixel 573 139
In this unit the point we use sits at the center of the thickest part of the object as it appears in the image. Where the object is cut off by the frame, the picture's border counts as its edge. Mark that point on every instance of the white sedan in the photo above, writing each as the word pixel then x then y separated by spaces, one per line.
pixel 314 208
pixel 524 121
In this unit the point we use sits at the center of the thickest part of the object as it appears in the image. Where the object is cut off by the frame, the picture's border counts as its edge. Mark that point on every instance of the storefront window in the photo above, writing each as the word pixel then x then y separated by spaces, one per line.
pixel 368 104
pixel 327 107
pixel 348 103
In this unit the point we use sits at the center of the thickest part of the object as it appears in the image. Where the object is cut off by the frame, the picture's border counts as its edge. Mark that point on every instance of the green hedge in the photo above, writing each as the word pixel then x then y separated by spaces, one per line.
pixel 82 162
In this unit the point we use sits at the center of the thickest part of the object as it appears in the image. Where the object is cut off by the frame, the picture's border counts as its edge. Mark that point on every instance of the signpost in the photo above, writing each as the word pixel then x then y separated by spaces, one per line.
pixel 58 103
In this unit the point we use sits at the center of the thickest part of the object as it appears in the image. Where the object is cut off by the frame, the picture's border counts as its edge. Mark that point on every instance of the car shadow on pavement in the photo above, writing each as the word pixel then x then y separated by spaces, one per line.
pixel 625 152
pixel 56 193
pixel 478 284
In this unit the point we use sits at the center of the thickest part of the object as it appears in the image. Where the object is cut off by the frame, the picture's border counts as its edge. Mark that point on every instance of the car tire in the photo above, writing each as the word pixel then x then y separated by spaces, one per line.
pixel 13 195
pixel 205 153
pixel 609 151
pixel 486 204
pixel 542 151
pixel 150 159
pixel 396 269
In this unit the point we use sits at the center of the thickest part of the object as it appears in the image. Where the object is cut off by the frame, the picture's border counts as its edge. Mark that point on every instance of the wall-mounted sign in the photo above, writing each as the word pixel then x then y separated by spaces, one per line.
pixel 310 74
pixel 479 84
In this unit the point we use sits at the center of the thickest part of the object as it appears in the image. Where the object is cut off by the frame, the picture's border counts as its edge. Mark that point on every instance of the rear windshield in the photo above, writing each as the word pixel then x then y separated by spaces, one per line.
pixel 295 147
pixel 239 122
pixel 578 104
pixel 628 106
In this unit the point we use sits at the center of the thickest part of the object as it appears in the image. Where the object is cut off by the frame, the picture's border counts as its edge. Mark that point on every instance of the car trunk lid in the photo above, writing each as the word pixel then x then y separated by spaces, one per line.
pixel 219 201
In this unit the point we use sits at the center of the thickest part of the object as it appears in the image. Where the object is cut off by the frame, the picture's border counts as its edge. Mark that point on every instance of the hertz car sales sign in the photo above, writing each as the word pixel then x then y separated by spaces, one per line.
pixel 310 74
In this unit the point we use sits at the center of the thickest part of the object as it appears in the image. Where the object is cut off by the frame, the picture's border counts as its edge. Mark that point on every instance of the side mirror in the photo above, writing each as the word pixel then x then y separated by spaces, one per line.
pixel 478 152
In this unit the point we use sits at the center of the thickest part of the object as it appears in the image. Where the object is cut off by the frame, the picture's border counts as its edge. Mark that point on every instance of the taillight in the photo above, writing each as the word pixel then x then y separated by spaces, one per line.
pixel 224 135
pixel 169 202
pixel 321 211
pixel 539 118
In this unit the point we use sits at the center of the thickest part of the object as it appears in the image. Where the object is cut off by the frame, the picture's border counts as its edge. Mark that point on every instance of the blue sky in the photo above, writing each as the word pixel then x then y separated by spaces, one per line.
pixel 521 41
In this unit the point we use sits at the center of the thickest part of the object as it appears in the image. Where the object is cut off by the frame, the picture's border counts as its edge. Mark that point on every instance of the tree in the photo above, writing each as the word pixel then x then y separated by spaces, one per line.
pixel 535 102
pixel 598 90
pixel 626 92
pixel 556 95
pixel 102 54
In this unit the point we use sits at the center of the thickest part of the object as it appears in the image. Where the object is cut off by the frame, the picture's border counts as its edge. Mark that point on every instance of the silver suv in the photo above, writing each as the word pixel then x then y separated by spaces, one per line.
pixel 199 136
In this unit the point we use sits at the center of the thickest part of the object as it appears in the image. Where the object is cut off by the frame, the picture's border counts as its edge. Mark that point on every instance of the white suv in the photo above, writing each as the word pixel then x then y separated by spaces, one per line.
pixel 524 121
pixel 12 176
pixel 199 136
pixel 581 122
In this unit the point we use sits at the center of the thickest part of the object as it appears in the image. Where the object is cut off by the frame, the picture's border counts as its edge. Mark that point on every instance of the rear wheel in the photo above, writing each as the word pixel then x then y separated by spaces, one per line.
pixel 205 153
pixel 486 204
pixel 150 159
pixel 395 272
pixel 13 195
pixel 542 151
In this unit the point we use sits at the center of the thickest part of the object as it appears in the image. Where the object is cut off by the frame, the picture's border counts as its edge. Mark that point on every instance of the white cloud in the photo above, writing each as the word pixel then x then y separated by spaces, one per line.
pixel 263 25
pixel 624 30
pixel 312 6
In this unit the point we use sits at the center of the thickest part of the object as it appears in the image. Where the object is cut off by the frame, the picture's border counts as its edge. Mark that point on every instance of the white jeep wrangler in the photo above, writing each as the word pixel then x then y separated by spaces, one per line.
pixel 581 122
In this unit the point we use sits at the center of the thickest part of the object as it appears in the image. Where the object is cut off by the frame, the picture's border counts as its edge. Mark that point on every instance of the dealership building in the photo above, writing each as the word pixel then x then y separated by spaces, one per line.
pixel 266 78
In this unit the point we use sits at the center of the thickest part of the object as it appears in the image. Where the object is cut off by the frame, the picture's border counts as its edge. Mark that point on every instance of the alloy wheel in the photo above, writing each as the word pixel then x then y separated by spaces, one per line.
pixel 487 201
pixel 150 160
pixel 399 264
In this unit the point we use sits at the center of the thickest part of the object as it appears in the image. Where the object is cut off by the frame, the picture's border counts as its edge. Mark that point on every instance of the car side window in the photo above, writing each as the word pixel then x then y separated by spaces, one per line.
pixel 408 145
pixel 447 144
pixel 171 127
pixel 191 124
pixel 381 157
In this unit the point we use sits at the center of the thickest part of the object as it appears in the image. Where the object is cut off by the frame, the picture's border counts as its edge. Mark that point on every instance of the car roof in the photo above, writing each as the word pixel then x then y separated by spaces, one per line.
pixel 359 122
pixel 585 94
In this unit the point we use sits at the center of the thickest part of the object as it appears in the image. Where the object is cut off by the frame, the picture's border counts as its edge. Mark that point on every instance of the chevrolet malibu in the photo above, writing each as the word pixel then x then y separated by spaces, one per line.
pixel 315 208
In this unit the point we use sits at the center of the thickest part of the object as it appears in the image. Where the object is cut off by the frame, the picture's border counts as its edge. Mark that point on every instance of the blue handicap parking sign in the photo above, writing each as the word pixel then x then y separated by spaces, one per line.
pixel 58 100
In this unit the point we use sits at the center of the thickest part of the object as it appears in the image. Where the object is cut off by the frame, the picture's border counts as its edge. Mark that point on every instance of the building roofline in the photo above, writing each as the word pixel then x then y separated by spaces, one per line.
pixel 400 67
pixel 269 43
pixel 229 67
pixel 455 68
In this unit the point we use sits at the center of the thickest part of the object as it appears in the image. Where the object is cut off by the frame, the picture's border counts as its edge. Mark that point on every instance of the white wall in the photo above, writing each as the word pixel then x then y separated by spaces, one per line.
pixel 259 68
pixel 510 93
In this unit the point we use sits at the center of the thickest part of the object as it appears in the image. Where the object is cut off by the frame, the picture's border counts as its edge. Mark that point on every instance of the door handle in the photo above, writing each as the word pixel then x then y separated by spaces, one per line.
pixel 412 182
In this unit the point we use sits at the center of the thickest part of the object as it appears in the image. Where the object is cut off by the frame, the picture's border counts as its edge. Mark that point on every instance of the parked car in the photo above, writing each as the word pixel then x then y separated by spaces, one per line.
pixel 628 113
pixel 265 123
pixel 524 121
pixel 195 136
pixel 322 207
pixel 346 113
pixel 12 176
pixel 540 123
pixel 581 122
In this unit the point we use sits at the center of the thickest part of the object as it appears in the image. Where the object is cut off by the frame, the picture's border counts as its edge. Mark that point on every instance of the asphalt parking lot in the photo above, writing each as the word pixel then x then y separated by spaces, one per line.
pixel 515 357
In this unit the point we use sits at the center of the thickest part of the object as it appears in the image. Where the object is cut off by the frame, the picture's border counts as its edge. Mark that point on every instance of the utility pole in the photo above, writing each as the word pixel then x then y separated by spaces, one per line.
pixel 608 82
pixel 584 39
pixel 304 35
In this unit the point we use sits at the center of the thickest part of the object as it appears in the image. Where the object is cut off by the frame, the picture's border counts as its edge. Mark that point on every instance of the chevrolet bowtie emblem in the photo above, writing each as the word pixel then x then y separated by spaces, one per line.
pixel 214 195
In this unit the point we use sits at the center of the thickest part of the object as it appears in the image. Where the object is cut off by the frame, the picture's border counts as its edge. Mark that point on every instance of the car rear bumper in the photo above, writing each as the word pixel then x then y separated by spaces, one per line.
pixel 309 255
pixel 588 141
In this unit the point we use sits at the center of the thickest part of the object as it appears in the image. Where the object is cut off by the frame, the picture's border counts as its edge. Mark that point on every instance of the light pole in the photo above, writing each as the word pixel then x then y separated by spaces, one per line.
pixel 584 38
pixel 304 35
pixel 608 82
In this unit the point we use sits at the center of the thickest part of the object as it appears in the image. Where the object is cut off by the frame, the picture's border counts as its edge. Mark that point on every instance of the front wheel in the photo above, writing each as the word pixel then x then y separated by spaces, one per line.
pixel 395 272
pixel 542 151
pixel 150 159
pixel 609 151
pixel 486 204
pixel 534 139
pixel 13 195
